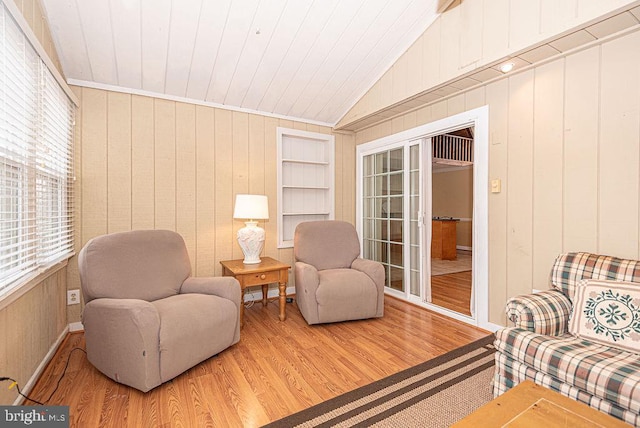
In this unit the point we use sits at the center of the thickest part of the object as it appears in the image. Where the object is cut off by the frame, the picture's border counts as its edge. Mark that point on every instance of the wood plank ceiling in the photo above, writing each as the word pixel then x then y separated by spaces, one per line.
pixel 304 59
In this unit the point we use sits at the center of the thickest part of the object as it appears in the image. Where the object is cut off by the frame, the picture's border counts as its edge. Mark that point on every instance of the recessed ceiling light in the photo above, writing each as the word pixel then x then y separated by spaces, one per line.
pixel 507 67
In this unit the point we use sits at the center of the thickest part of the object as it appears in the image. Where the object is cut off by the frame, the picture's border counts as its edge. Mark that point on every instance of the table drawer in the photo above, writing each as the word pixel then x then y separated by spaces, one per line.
pixel 261 278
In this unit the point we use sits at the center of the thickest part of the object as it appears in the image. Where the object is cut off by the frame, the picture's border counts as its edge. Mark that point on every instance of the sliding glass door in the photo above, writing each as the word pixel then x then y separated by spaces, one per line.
pixel 392 217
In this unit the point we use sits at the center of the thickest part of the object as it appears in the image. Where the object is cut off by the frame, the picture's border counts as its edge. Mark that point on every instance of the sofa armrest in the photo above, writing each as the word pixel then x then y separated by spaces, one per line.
pixel 375 271
pixel 545 313
pixel 122 340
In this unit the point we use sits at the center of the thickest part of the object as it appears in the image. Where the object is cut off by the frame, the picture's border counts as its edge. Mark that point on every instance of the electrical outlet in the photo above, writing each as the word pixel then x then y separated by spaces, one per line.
pixel 73 297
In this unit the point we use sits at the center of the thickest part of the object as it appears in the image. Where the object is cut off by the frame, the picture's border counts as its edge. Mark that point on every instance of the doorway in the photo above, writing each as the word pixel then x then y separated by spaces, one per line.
pixel 451 260
pixel 394 213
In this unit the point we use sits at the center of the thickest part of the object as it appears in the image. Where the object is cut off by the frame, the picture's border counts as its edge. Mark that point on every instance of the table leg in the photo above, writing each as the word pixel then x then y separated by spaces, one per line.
pixel 282 286
pixel 265 290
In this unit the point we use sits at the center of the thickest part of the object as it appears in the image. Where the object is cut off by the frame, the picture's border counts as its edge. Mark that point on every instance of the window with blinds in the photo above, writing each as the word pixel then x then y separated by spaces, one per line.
pixel 36 169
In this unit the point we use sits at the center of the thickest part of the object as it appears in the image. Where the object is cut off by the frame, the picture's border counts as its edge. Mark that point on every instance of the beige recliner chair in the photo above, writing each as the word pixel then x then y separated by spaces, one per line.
pixel 146 320
pixel 332 282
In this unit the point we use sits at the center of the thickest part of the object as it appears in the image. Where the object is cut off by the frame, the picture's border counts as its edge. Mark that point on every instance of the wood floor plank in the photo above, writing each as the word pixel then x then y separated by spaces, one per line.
pixel 452 291
pixel 276 369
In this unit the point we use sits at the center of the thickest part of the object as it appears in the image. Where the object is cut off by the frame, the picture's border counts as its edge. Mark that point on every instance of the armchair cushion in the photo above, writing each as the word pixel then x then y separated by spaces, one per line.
pixel 191 332
pixel 346 294
pixel 546 312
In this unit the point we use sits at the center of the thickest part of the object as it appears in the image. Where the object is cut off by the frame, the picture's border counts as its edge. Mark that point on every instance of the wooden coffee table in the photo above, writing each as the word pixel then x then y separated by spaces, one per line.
pixel 268 271
pixel 531 405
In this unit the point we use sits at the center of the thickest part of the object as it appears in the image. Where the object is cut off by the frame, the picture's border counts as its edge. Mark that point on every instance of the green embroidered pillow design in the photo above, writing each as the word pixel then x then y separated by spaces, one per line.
pixel 607 312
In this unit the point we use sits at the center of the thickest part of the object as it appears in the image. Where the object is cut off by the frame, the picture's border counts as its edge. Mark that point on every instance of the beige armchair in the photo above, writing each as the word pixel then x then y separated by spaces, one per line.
pixel 332 282
pixel 146 320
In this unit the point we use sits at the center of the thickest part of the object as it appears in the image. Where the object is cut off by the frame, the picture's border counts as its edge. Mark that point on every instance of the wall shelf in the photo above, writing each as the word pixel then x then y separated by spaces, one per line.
pixel 305 180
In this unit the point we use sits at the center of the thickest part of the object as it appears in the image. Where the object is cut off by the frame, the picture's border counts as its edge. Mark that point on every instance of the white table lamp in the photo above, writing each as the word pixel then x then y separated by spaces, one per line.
pixel 251 237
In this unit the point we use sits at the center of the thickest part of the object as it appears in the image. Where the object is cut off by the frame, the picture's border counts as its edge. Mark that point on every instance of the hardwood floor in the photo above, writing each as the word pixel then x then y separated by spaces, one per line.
pixel 452 291
pixel 276 369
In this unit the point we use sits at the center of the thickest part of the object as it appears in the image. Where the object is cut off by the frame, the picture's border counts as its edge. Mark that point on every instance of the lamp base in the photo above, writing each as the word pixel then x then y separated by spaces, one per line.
pixel 251 240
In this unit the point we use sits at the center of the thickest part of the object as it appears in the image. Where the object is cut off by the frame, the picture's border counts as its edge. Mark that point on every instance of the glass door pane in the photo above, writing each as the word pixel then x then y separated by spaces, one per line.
pixel 383 213
pixel 414 219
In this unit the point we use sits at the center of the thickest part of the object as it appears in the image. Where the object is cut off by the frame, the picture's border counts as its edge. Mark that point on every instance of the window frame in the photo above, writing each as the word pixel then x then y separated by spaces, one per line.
pixel 36 152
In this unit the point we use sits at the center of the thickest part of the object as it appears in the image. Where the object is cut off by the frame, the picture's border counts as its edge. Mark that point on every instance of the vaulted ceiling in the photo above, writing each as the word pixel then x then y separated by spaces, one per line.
pixel 305 59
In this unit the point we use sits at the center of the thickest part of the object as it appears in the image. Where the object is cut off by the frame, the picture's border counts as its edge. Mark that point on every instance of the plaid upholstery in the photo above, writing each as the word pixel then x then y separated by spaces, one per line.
pixel 541 349
pixel 570 268
pixel 546 312
pixel 510 373
pixel 601 376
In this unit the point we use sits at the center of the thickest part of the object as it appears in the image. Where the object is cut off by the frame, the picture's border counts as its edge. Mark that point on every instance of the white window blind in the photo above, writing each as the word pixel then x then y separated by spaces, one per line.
pixel 36 169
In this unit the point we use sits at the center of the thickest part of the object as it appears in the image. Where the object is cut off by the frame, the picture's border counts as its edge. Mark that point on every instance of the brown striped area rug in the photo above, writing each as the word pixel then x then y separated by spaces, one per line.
pixel 436 393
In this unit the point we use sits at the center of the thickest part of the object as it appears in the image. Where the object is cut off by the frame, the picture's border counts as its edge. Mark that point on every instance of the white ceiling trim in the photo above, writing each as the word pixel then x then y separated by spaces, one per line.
pixel 144 93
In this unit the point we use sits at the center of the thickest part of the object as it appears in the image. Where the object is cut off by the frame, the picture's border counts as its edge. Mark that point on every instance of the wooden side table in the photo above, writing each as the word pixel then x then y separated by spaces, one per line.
pixel 268 271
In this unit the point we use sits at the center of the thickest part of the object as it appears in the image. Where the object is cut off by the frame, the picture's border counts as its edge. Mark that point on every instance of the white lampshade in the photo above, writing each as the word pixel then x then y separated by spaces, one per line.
pixel 253 207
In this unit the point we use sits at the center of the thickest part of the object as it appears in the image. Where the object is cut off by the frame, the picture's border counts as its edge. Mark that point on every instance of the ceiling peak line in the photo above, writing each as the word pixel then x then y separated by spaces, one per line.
pixel 377 65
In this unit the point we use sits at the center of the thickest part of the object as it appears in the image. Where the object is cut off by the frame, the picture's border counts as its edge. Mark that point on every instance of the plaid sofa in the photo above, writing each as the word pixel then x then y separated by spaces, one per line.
pixel 539 347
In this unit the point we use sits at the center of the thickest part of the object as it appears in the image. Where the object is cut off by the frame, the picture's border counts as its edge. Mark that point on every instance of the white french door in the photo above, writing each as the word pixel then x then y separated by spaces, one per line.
pixel 393 218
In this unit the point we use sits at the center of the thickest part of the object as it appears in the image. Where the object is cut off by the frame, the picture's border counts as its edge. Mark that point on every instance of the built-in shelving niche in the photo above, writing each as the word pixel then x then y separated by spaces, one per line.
pixel 305 180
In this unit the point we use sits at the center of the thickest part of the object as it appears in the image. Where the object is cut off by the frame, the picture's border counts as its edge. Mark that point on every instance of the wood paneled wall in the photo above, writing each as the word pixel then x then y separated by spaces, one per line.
pixel 452 196
pixel 30 325
pixel 472 34
pixel 150 163
pixel 565 141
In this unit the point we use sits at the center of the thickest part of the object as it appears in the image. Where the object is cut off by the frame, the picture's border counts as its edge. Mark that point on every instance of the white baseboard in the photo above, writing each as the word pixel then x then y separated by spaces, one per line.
pixel 491 327
pixel 464 247
pixel 26 389
pixel 76 326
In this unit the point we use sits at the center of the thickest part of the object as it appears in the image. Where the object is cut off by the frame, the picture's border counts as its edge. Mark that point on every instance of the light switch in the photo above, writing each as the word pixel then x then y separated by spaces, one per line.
pixel 496 185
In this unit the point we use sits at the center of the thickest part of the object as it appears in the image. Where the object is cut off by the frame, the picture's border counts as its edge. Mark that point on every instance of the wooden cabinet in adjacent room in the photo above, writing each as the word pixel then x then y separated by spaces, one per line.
pixel 443 238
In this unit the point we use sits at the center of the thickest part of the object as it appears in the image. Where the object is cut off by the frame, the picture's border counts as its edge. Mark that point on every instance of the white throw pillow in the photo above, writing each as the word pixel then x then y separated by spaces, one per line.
pixel 607 312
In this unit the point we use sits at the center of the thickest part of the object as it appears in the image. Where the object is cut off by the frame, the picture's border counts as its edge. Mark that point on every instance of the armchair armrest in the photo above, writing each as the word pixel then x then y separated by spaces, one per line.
pixel 307 276
pixel 546 312
pixel 222 286
pixel 307 282
pixel 375 271
pixel 122 340
pixel 226 287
